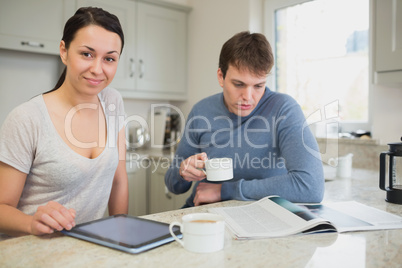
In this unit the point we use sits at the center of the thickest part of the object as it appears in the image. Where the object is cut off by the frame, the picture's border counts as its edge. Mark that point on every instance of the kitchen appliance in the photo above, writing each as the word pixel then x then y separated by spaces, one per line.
pixel 137 134
pixel 394 171
pixel 158 128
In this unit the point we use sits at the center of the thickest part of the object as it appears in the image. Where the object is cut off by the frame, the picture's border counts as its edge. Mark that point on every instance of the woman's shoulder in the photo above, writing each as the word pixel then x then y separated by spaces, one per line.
pixel 30 110
pixel 112 101
pixel 110 94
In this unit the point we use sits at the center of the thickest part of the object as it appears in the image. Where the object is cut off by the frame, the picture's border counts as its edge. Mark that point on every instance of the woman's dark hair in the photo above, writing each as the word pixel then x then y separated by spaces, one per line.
pixel 83 17
pixel 247 51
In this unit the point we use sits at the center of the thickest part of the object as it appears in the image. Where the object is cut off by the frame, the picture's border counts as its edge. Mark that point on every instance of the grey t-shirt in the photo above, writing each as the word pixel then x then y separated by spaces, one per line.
pixel 30 143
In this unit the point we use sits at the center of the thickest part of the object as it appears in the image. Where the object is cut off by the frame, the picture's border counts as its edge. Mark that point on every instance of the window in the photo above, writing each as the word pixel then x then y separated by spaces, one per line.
pixel 322 58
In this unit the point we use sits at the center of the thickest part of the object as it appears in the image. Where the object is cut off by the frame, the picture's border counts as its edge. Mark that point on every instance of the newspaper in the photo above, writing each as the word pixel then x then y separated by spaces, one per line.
pixel 274 216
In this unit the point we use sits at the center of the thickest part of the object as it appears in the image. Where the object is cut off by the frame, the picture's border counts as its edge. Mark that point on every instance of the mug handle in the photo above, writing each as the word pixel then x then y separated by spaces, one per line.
pixel 382 170
pixel 333 162
pixel 175 223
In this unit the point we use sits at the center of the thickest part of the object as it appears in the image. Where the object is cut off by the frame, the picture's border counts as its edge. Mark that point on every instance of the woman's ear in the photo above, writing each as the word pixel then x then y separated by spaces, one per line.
pixel 220 77
pixel 63 52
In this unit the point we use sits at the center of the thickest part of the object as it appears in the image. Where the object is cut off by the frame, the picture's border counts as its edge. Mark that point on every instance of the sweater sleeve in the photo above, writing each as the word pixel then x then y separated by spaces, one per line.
pixel 304 180
pixel 187 147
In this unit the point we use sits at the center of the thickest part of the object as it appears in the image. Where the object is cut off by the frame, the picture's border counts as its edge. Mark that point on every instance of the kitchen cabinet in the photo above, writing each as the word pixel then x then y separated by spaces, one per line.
pixel 125 10
pixel 153 64
pixel 160 199
pixel 137 187
pixel 161 51
pixel 387 41
pixel 33 26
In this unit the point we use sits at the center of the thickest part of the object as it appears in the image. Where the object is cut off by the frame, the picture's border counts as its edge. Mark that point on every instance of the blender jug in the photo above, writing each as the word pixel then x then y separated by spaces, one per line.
pixel 394 170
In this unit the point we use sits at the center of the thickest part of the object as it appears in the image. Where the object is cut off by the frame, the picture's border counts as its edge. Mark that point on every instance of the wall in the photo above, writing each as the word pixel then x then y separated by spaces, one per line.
pixel 211 23
pixel 24 75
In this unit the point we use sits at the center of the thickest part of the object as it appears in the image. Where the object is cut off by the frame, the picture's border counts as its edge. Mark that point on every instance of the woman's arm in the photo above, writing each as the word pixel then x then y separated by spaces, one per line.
pixel 48 218
pixel 118 200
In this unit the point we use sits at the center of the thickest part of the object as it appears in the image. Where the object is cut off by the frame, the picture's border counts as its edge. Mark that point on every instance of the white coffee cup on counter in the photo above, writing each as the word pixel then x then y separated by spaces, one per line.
pixel 219 169
pixel 202 232
pixel 343 165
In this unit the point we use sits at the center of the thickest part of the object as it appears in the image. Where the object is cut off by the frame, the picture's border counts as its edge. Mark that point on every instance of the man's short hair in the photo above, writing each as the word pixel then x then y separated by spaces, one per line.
pixel 246 51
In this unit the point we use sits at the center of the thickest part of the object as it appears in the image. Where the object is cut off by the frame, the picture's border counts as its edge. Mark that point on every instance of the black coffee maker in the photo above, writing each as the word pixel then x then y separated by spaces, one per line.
pixel 394 170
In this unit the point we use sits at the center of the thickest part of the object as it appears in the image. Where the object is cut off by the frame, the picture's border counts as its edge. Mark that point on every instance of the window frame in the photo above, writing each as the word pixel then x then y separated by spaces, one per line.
pixel 269 30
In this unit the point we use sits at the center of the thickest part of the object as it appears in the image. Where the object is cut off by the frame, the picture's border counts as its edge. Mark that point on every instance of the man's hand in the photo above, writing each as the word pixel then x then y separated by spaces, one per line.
pixel 191 168
pixel 207 193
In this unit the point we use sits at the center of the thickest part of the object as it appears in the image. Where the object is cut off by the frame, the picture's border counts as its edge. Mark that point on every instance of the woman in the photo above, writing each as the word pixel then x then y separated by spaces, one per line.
pixel 62 154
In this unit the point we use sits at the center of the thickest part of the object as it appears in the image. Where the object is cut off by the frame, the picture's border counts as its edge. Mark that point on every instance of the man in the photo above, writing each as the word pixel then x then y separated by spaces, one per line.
pixel 264 133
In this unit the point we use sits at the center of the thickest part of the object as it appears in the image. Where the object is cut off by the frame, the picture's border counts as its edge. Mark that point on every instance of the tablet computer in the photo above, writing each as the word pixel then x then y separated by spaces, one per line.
pixel 124 232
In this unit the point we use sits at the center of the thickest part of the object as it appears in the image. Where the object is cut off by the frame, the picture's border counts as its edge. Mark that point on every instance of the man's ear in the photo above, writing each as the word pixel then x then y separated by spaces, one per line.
pixel 63 52
pixel 220 77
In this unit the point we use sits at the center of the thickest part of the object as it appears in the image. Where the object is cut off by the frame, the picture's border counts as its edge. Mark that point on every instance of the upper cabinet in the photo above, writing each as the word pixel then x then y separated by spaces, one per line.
pixel 125 10
pixel 153 64
pixel 33 26
pixel 161 51
pixel 387 58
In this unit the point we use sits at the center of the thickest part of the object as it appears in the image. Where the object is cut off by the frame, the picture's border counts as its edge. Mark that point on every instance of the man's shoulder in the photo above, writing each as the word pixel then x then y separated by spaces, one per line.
pixel 280 99
pixel 280 96
pixel 213 101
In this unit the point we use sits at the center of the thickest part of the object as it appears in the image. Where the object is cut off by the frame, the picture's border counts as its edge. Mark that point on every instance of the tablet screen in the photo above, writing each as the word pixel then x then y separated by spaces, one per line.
pixel 123 231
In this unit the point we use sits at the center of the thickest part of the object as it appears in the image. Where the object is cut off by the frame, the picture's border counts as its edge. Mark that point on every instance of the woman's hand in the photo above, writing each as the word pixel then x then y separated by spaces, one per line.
pixel 191 168
pixel 50 217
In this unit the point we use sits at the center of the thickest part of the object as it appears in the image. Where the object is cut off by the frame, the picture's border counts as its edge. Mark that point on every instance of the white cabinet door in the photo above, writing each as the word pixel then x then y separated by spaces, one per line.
pixel 388 42
pixel 137 188
pixel 161 50
pixel 388 33
pixel 125 11
pixel 34 26
pixel 160 199
pixel 153 62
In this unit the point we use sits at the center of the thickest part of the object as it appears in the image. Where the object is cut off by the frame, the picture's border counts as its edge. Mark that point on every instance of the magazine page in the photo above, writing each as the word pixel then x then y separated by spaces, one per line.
pixel 353 216
pixel 269 217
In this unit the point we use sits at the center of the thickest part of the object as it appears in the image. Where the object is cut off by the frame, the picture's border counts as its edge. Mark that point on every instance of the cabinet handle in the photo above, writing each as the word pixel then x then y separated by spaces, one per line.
pixel 32 44
pixel 167 193
pixel 141 68
pixel 132 67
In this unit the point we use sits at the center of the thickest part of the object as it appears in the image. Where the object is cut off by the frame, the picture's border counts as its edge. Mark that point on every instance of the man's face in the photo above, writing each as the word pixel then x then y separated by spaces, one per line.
pixel 242 90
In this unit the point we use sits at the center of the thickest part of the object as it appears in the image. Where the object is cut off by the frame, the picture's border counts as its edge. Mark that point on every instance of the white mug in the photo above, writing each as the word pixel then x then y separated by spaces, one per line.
pixel 219 169
pixel 343 165
pixel 202 232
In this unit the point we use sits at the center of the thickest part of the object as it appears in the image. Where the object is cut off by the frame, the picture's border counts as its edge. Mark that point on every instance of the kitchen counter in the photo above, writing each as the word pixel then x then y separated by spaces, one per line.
pixel 356 249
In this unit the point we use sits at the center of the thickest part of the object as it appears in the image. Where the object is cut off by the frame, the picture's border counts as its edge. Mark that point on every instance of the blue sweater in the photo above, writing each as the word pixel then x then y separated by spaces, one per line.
pixel 273 150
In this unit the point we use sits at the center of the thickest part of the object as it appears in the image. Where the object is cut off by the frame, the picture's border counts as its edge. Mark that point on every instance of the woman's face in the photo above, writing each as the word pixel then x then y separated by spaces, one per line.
pixel 91 59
